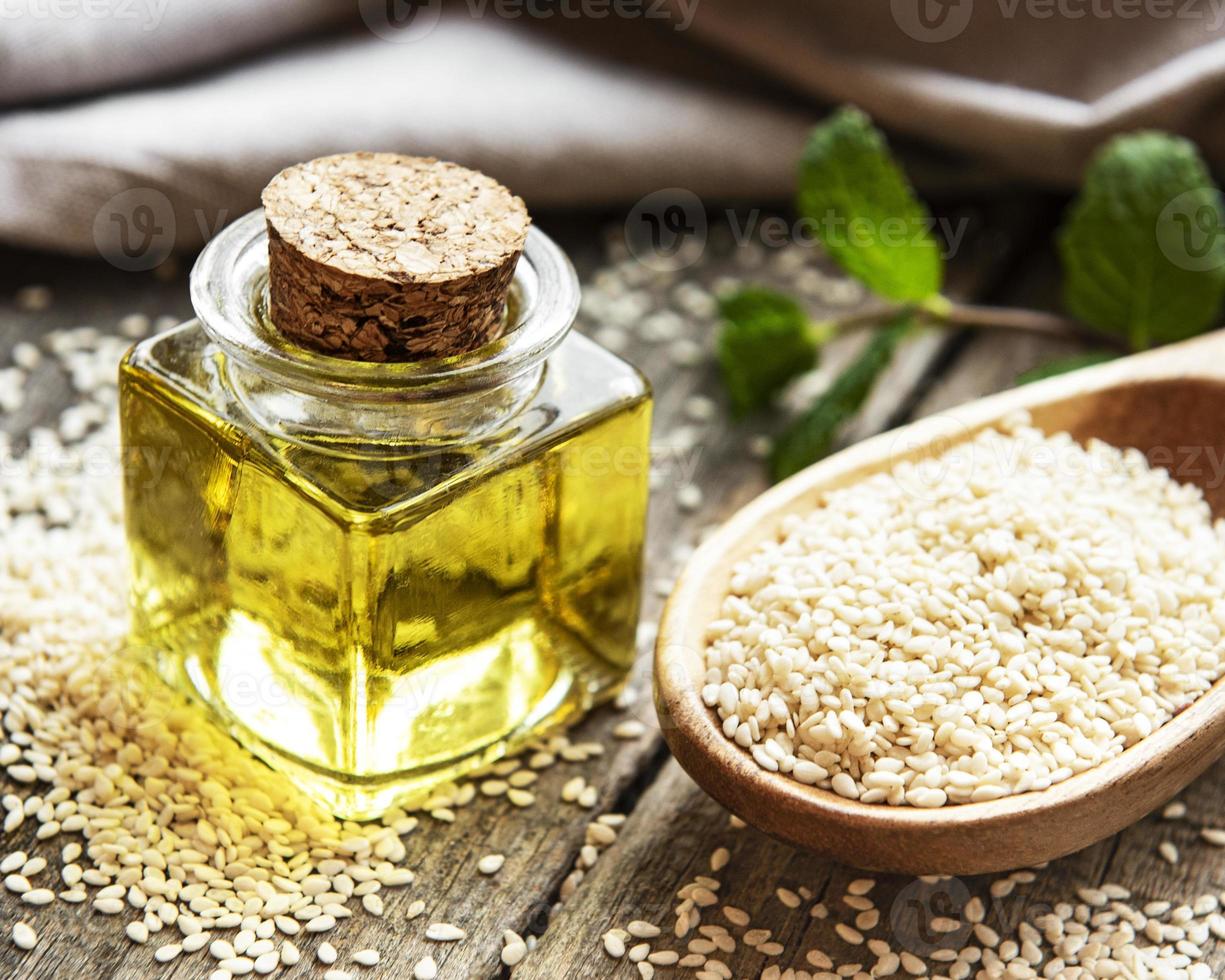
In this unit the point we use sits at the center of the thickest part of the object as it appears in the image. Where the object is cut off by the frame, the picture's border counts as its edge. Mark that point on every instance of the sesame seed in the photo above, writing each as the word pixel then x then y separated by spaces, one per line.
pixel 373 904
pixel 425 969
pixel 689 497
pixel 630 729
pixel 737 917
pixel 24 937
pixel 164 954
pixel 444 932
pixel 490 864
pixel 848 935
pixel 788 898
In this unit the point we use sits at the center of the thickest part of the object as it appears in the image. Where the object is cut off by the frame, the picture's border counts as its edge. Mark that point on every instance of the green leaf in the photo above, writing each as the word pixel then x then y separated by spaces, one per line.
pixel 766 340
pixel 1143 248
pixel 1063 365
pixel 864 211
pixel 812 435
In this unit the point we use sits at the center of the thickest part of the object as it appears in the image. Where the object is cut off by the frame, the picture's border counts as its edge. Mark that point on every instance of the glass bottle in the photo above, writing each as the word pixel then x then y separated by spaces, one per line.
pixel 380 576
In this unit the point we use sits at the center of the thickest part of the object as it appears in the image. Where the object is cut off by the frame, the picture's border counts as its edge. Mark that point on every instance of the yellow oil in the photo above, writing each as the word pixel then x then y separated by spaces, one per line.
pixel 373 624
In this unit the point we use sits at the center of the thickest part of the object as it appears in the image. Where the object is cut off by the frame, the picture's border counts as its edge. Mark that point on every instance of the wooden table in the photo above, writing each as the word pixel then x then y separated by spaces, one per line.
pixel 672 827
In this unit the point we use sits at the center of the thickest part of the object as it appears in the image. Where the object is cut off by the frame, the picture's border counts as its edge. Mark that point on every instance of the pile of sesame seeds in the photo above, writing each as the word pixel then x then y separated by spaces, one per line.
pixel 162 823
pixel 1030 614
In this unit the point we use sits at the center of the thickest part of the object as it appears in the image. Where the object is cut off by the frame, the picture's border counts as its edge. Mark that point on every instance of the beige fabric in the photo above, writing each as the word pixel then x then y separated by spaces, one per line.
pixel 550 114
pixel 191 105
pixel 1033 86
pixel 56 48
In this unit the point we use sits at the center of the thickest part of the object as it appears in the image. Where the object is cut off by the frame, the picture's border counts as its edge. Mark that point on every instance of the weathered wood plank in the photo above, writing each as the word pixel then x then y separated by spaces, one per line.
pixel 541 844
pixel 671 835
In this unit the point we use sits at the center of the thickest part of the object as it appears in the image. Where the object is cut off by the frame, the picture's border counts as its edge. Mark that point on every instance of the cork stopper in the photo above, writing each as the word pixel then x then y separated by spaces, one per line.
pixel 383 257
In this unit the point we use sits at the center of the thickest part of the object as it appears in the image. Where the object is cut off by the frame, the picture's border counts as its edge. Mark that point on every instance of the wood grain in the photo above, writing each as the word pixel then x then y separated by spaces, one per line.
pixel 541 844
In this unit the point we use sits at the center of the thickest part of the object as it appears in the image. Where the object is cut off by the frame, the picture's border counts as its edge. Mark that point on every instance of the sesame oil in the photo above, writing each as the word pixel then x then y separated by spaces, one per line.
pixel 380 577
pixel 395 640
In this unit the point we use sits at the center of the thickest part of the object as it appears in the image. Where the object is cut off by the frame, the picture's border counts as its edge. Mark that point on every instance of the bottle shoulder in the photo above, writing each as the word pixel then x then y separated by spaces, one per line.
pixel 580 385
pixel 580 376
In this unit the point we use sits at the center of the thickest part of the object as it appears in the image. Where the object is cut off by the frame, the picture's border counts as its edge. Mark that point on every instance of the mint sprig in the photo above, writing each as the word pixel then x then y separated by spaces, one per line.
pixel 812 435
pixel 864 211
pixel 1142 251
pixel 1143 246
pixel 766 341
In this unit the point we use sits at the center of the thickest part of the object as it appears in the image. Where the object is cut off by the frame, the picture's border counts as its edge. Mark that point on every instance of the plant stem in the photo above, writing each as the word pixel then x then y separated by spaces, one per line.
pixel 1028 321
pixel 941 311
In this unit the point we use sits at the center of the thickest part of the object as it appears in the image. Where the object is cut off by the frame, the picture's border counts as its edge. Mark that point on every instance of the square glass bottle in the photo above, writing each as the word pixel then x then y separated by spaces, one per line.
pixel 382 575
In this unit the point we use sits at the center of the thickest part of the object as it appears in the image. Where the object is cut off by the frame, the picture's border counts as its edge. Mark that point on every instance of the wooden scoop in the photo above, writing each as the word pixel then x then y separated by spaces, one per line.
pixel 1170 404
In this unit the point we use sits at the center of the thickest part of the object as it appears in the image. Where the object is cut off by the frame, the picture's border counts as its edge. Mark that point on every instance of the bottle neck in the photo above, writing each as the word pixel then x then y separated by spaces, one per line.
pixel 367 407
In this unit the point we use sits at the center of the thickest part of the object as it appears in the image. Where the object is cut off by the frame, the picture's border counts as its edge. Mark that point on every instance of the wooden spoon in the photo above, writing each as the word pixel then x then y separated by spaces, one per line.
pixel 1170 404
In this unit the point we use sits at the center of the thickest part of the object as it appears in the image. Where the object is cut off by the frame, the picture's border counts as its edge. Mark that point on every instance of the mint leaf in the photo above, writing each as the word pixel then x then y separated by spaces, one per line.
pixel 1063 365
pixel 766 340
pixel 1143 246
pixel 864 210
pixel 812 435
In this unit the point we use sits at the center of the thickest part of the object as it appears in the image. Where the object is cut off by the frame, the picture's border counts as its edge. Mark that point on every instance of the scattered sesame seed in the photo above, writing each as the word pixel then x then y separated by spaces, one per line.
pixel 614 945
pixel 24 937
pixel 164 954
pixel 848 935
pixel 491 864
pixel 444 932
pixel 629 729
pixel 426 969
pixel 788 898
pixel 689 497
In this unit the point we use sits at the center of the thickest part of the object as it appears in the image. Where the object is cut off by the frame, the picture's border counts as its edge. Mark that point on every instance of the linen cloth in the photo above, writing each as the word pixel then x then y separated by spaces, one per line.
pixel 172 114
